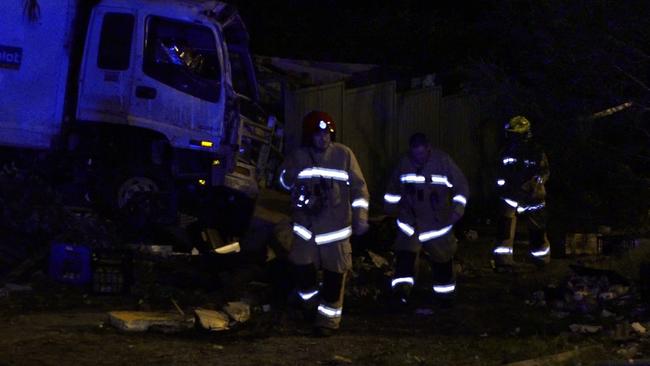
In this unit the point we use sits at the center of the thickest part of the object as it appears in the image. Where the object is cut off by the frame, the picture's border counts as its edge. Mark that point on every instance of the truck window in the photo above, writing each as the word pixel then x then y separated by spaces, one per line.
pixel 115 41
pixel 239 74
pixel 183 56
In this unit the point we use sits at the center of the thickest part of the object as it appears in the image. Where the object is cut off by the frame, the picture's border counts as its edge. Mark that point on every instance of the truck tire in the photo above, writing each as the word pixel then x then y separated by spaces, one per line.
pixel 142 200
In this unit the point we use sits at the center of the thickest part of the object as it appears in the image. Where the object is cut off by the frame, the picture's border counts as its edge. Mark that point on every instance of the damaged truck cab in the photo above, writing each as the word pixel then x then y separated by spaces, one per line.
pixel 135 99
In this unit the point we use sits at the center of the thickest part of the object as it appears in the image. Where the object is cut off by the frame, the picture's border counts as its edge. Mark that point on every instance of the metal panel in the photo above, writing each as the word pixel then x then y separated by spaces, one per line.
pixel 368 128
pixel 327 98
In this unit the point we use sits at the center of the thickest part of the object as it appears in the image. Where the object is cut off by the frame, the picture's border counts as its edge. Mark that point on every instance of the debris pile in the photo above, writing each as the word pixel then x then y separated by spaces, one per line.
pixel 371 272
pixel 596 301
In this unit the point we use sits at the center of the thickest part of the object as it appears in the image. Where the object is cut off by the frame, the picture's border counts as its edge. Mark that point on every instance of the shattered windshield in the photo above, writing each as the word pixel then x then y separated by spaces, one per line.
pixel 183 56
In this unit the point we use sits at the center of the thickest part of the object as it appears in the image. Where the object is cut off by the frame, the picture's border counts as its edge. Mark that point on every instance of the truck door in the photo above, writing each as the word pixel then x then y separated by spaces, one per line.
pixel 178 82
pixel 105 79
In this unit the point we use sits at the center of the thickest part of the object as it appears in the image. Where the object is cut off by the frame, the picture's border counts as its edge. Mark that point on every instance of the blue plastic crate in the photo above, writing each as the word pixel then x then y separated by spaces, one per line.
pixel 70 263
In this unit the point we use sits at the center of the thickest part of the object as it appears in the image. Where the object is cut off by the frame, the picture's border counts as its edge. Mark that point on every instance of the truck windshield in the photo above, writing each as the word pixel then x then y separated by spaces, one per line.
pixel 183 56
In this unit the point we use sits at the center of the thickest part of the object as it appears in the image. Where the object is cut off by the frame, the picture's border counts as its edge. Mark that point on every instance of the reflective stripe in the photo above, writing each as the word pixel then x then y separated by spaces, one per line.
pixel 412 178
pixel 441 179
pixel 307 295
pixel 330 312
pixel 282 182
pixel 503 250
pixel 317 172
pixel 302 232
pixel 510 202
pixel 334 236
pixel 406 228
pixel 460 199
pixel 444 289
pixel 392 198
pixel 541 253
pixel 530 163
pixel 521 209
pixel 508 161
pixel 501 182
pixel 433 234
pixel 361 202
pixel 397 281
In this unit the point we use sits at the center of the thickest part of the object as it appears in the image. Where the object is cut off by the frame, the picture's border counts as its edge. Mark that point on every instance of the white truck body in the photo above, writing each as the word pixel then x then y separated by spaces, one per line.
pixel 32 105
pixel 133 90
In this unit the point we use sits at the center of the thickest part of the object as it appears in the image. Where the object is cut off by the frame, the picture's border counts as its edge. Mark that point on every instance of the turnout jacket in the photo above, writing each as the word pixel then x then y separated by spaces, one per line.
pixel 329 194
pixel 521 174
pixel 427 199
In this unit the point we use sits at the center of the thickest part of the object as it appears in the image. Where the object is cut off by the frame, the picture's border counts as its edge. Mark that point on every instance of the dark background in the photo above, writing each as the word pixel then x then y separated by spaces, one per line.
pixel 558 62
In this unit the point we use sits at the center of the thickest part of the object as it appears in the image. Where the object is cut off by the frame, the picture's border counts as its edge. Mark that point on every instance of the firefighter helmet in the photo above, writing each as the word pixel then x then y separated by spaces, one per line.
pixel 518 124
pixel 316 121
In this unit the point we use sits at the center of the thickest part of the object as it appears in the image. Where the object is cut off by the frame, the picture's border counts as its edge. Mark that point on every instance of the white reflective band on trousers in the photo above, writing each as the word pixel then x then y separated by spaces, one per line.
pixel 307 295
pixel 334 236
pixel 508 161
pixel 406 228
pixel 397 281
pixel 521 209
pixel 441 179
pixel 361 203
pixel 318 172
pixel 459 198
pixel 511 203
pixel 433 234
pixel 412 178
pixel 541 253
pixel 392 198
pixel 302 232
pixel 330 312
pixel 503 251
pixel 282 182
pixel 444 289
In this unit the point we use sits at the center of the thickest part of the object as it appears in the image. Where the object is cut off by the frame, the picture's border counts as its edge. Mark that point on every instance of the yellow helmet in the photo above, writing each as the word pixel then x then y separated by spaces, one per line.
pixel 518 124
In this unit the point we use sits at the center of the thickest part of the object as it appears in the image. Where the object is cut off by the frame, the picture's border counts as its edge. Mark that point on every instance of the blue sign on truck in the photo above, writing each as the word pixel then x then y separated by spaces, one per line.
pixel 10 57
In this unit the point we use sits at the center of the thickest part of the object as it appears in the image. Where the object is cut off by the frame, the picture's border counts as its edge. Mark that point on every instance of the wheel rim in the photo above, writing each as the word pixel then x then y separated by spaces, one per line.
pixel 133 186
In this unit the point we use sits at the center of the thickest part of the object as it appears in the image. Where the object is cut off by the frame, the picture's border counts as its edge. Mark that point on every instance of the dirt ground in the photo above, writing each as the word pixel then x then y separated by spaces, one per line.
pixel 491 324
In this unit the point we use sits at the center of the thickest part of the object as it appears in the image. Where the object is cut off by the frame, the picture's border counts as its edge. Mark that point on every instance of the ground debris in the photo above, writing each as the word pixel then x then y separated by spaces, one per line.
pixel 378 260
pixel 639 328
pixel 585 328
pixel 141 321
pixel 556 359
pixel 212 320
pixel 238 311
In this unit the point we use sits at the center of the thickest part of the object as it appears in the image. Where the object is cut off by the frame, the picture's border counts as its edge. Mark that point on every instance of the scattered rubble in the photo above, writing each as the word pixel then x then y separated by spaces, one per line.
pixel 212 320
pixel 639 328
pixel 557 359
pixel 238 311
pixel 141 321
pixel 584 328
pixel 378 260
pixel 471 235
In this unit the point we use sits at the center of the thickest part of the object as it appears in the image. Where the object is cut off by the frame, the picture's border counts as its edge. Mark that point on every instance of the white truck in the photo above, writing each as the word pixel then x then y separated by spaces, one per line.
pixel 132 99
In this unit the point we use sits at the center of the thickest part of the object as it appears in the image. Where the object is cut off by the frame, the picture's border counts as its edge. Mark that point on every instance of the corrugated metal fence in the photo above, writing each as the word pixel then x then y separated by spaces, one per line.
pixel 376 121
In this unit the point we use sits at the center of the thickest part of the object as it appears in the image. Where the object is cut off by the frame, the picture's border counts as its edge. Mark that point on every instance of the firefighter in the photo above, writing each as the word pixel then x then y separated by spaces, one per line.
pixel 428 192
pixel 330 203
pixel 522 172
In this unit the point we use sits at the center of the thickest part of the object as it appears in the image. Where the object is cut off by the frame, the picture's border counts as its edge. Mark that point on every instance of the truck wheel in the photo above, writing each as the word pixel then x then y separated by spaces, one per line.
pixel 133 189
pixel 142 204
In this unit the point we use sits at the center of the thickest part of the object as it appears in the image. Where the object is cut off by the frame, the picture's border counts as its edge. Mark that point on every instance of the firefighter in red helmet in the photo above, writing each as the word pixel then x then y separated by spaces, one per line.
pixel 330 203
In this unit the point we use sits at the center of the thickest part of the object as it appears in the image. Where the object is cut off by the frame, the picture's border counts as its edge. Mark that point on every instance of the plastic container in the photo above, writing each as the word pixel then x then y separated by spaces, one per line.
pixel 70 264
